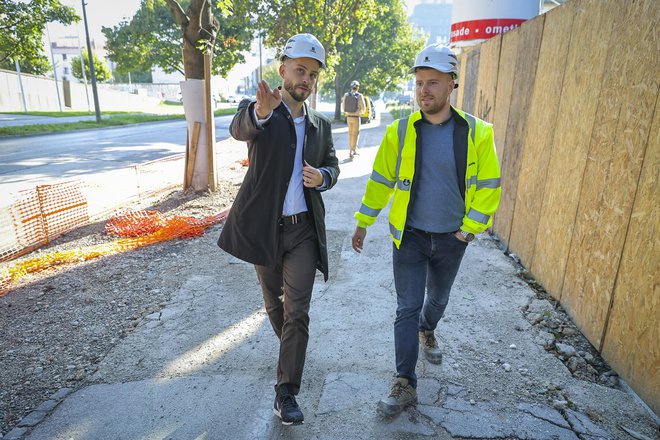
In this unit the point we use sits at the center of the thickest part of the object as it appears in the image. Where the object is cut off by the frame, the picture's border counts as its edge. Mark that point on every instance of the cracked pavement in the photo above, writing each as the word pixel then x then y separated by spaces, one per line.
pixel 204 365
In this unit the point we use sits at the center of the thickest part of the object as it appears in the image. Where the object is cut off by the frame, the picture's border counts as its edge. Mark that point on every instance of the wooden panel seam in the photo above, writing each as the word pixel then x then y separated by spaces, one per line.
pixel 606 324
pixel 524 132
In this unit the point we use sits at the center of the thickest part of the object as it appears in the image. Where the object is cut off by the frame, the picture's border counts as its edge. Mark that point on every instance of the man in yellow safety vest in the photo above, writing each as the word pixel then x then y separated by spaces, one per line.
pixel 441 170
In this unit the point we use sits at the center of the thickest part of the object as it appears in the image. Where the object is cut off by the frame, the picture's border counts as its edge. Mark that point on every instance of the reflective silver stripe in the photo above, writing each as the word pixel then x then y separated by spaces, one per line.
pixel 472 181
pixel 401 131
pixel 472 123
pixel 364 209
pixel 377 177
pixel 488 183
pixel 403 185
pixel 395 232
pixel 477 216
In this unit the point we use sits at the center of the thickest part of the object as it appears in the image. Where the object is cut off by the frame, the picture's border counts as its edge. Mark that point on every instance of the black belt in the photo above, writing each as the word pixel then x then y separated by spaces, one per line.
pixel 430 233
pixel 294 219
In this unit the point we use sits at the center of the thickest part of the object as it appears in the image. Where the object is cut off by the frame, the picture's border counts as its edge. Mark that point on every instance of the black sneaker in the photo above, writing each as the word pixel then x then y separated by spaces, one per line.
pixel 286 407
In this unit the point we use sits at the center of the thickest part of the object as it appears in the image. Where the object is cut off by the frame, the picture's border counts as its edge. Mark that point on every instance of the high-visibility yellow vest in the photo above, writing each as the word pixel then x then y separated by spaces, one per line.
pixel 394 173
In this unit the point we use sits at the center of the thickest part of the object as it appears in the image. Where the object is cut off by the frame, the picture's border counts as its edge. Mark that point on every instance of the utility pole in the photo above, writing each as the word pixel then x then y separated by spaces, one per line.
pixel 91 66
pixel 20 84
pixel 261 73
pixel 52 58
pixel 82 63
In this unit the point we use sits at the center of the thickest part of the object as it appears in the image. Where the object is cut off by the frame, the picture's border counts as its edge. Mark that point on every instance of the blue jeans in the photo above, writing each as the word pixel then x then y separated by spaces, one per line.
pixel 424 263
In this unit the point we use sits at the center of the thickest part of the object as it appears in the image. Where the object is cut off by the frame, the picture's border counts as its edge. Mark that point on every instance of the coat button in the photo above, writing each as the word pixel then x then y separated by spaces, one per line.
pixel 293 146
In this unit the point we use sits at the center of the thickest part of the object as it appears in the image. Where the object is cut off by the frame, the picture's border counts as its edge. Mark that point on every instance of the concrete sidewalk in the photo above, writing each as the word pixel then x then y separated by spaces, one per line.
pixel 204 366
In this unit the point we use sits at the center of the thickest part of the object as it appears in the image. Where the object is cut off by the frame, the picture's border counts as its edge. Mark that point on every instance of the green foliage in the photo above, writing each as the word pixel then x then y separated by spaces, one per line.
pixel 22 27
pixel 37 66
pixel 101 70
pixel 152 38
pixel 105 122
pixel 381 55
pixel 136 77
pixel 399 111
pixel 333 22
pixel 367 40
pixel 271 74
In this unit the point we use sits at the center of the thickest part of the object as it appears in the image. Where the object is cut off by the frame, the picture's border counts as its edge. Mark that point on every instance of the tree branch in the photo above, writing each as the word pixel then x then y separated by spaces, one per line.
pixel 9 55
pixel 179 14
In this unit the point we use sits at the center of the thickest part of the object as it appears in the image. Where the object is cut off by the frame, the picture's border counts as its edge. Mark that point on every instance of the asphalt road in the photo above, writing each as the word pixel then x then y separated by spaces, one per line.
pixel 27 161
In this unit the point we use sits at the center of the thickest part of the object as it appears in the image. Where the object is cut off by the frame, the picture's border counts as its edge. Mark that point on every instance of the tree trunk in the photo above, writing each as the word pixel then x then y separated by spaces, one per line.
pixel 338 96
pixel 199 29
pixel 196 24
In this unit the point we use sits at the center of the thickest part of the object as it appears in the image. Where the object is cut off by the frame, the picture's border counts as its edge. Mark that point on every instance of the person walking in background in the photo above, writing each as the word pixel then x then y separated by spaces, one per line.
pixel 277 221
pixel 353 106
pixel 441 167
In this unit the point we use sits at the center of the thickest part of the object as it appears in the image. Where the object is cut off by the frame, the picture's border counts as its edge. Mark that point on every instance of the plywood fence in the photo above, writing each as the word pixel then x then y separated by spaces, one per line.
pixel 573 98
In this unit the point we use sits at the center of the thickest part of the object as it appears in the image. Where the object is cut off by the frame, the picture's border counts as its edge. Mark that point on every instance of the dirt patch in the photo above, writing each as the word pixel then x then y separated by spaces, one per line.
pixel 59 324
pixel 560 335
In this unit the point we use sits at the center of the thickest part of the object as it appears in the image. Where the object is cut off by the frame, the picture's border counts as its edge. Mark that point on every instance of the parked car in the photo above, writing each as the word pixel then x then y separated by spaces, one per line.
pixel 215 99
pixel 238 98
pixel 369 113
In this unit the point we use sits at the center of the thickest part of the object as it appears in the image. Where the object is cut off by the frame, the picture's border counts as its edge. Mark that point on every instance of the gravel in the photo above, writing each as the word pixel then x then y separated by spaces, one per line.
pixel 59 324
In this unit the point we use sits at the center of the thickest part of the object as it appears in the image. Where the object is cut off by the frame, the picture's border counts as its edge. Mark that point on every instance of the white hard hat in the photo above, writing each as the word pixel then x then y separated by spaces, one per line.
pixel 304 46
pixel 440 58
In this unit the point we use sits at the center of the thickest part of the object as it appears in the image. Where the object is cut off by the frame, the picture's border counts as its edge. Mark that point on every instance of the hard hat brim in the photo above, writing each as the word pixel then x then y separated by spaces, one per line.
pixel 434 67
pixel 293 57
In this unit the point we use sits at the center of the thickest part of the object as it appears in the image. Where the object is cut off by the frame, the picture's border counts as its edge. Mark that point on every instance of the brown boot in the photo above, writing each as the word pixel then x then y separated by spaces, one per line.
pixel 401 396
pixel 430 347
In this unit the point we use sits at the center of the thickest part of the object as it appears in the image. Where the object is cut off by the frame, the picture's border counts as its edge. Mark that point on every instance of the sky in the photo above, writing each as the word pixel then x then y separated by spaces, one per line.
pixel 109 13
pixel 100 13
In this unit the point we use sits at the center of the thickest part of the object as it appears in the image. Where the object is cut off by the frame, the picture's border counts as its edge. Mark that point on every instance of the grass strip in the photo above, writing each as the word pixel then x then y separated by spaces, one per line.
pixel 106 122
pixel 69 126
pixel 65 114
pixel 399 111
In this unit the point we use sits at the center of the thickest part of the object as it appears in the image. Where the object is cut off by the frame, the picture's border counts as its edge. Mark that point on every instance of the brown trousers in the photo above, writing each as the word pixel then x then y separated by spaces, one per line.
pixel 353 123
pixel 287 290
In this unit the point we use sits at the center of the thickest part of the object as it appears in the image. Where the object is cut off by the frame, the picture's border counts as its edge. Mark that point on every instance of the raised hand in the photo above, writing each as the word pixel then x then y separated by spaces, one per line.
pixel 267 100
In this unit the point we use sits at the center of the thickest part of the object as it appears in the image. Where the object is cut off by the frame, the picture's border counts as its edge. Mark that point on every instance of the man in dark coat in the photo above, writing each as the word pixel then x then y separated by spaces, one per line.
pixel 277 221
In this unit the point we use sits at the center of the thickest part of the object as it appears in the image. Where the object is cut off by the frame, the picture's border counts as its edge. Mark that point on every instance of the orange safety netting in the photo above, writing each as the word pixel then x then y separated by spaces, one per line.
pixel 138 229
pixel 34 217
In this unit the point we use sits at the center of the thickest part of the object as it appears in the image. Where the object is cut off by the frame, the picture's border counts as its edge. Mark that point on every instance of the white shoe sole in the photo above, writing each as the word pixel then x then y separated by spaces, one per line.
pixel 277 413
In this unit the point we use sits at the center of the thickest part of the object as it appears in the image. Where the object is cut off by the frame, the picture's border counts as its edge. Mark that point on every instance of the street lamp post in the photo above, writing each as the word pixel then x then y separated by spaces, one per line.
pixel 20 84
pixel 82 65
pixel 261 73
pixel 52 58
pixel 91 66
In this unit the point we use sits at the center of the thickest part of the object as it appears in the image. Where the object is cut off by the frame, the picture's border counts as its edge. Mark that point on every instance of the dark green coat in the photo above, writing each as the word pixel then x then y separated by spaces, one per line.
pixel 251 230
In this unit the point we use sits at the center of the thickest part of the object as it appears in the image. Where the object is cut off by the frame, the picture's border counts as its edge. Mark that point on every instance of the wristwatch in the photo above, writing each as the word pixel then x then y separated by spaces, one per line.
pixel 468 236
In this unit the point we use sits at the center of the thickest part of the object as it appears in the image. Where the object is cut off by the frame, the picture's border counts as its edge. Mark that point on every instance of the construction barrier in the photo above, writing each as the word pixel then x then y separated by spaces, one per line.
pixel 137 229
pixel 573 98
pixel 34 217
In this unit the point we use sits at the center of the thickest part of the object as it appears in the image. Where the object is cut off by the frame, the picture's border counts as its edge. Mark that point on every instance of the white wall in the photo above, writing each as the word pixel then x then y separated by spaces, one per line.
pixel 41 94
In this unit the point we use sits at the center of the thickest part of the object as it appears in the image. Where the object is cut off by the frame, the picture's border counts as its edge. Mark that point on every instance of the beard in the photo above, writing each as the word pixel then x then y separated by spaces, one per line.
pixel 434 107
pixel 299 96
